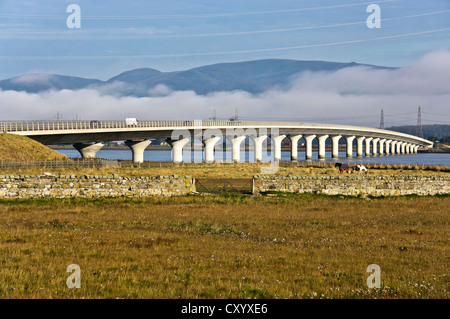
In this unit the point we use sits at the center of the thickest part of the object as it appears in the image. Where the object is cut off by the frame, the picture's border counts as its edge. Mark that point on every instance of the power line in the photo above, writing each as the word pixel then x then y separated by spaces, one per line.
pixel 440 114
pixel 194 16
pixel 32 36
pixel 175 55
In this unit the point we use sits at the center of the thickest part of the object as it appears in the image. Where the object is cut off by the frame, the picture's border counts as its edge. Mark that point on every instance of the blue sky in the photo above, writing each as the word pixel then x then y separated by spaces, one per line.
pixel 116 36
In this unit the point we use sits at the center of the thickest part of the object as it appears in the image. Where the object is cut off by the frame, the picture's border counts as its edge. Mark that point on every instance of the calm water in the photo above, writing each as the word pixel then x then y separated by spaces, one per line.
pixel 166 156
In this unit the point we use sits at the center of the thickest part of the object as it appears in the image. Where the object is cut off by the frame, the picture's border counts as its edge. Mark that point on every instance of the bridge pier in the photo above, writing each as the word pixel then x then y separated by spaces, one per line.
pixel 209 148
pixel 177 149
pixel 408 148
pixel 277 146
pixel 138 148
pixel 236 145
pixel 382 146
pixel 388 147
pixel 322 139
pixel 258 141
pixel 375 146
pixel 394 147
pixel 368 140
pixel 88 150
pixel 335 148
pixel 308 141
pixel 350 145
pixel 360 140
pixel 294 146
pixel 399 148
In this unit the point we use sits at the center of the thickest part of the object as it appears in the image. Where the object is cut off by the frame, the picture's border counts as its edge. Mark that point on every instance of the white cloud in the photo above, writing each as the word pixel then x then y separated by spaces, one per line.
pixel 159 90
pixel 39 78
pixel 353 96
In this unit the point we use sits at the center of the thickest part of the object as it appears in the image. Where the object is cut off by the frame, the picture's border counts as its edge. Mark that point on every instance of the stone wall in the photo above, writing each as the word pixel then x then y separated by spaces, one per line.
pixel 64 186
pixel 359 185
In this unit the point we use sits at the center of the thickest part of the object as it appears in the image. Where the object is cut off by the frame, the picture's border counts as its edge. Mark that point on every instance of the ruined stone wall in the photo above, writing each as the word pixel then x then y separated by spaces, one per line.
pixel 65 186
pixel 354 185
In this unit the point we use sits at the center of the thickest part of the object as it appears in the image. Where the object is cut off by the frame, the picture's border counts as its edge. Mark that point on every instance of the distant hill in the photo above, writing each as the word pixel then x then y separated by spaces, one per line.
pixel 251 76
pixel 438 131
pixel 21 148
pixel 39 82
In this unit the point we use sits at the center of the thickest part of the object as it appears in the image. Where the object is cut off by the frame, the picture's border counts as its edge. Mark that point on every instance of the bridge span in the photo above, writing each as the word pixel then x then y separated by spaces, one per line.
pixel 87 136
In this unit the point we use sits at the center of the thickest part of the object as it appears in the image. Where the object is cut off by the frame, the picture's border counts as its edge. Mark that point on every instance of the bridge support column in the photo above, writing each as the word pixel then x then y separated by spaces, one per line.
pixel 294 146
pixel 277 141
pixel 359 151
pixel 335 148
pixel 258 141
pixel 177 149
pixel 308 140
pixel 388 147
pixel 382 146
pixel 88 150
pixel 394 147
pixel 209 149
pixel 368 140
pixel 399 147
pixel 138 148
pixel 402 147
pixel 375 146
pixel 350 145
pixel 415 147
pixel 322 139
pixel 236 144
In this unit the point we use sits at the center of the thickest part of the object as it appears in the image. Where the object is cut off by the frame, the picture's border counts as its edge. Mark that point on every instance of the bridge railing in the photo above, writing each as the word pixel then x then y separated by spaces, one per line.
pixel 21 126
pixel 59 125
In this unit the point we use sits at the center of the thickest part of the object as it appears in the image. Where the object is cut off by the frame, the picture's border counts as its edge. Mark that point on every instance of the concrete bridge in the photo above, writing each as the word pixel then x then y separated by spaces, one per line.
pixel 87 136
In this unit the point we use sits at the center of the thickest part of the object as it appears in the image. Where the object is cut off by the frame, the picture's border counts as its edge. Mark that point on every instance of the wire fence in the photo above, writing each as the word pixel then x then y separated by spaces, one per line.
pixel 103 162
pixel 224 185
pixel 54 164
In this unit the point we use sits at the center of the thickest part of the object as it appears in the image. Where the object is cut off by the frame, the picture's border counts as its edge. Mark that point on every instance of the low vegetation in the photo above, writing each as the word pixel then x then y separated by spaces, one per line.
pixel 240 170
pixel 230 246
pixel 21 148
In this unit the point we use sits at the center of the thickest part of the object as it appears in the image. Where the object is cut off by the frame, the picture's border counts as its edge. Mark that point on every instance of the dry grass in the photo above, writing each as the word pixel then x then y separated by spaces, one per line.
pixel 290 246
pixel 21 148
pixel 240 170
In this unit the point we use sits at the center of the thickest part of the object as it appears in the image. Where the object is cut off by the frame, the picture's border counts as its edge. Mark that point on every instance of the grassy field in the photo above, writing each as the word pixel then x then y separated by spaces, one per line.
pixel 239 170
pixel 21 148
pixel 282 246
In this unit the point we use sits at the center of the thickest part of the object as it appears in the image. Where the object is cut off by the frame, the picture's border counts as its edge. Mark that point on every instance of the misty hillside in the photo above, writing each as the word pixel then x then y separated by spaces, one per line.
pixel 39 82
pixel 251 76
pixel 437 130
